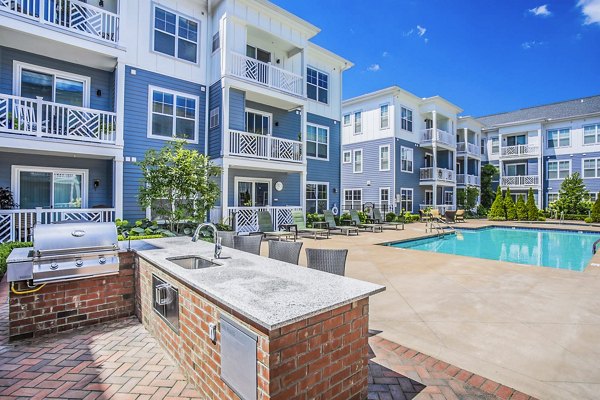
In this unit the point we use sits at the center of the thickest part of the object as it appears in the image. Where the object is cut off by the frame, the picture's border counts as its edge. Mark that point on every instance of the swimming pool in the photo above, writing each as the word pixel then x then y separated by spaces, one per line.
pixel 542 247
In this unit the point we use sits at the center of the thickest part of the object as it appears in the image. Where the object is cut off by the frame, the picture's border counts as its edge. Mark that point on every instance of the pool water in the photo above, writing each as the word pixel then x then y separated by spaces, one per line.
pixel 547 248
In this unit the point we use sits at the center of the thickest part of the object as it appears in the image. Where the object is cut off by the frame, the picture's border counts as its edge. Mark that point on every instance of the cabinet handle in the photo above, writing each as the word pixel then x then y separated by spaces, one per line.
pixel 163 294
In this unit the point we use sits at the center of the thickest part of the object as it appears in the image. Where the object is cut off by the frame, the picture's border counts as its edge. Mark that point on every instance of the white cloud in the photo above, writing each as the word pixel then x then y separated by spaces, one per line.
pixel 421 30
pixel 591 10
pixel 405 34
pixel 385 54
pixel 541 11
pixel 374 68
pixel 531 44
pixel 426 40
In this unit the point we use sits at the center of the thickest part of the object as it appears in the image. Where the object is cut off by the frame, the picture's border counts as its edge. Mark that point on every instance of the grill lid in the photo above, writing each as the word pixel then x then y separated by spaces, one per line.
pixel 74 237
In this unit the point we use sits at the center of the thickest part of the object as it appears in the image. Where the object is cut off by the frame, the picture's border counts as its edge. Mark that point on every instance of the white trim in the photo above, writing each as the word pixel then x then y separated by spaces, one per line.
pixel 15 182
pixel 425 198
pixel 328 85
pixel 354 132
pixel 548 197
pixel 238 179
pixel 558 138
pixel 316 183
pixel 151 89
pixel 389 158
pixel 389 202
pixel 557 169
pixel 258 112
pixel 362 161
pixel 412 160
pixel 596 165
pixel 349 115
pixel 177 15
pixel 18 67
pixel 511 164
pixel 317 142
pixel 412 201
pixel 215 112
pixel 412 119
pixel 349 152
pixel 388 116
pixel 352 190
pixel 596 134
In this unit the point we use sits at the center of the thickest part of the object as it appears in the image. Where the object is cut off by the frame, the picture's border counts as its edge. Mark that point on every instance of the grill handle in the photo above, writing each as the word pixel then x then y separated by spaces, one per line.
pixel 164 294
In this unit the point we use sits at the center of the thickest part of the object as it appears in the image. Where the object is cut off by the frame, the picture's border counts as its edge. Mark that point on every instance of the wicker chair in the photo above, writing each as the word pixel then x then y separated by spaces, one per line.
pixel 288 252
pixel 226 238
pixel 332 261
pixel 248 243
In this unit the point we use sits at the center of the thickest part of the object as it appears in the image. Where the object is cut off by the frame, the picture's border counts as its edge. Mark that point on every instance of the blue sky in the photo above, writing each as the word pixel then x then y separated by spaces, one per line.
pixel 485 56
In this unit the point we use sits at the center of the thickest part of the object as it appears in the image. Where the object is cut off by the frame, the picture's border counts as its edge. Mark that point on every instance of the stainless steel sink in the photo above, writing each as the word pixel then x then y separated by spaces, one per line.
pixel 193 262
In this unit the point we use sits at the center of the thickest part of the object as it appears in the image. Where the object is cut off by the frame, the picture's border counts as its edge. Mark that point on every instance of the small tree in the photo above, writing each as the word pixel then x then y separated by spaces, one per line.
pixel 521 209
pixel 572 195
pixel 488 172
pixel 178 184
pixel 7 200
pixel 596 210
pixel 532 210
pixel 509 206
pixel 497 212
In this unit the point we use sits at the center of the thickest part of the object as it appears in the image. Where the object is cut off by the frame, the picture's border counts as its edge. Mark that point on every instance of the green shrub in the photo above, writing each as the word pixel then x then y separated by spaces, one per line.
pixel 313 217
pixel 389 217
pixel 521 208
pixel 5 249
pixel 575 217
pixel 588 220
pixel 497 212
pixel 509 206
pixel 532 210
pixel 596 210
pixel 482 211
pixel 141 237
pixel 541 218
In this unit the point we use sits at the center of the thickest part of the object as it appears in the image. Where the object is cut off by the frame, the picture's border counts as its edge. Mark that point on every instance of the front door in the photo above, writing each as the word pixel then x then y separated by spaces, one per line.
pixel 253 193
pixel 428 197
pixel 428 160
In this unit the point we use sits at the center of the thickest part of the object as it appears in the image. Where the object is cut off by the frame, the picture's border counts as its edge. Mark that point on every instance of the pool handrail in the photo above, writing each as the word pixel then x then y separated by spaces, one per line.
pixel 594 246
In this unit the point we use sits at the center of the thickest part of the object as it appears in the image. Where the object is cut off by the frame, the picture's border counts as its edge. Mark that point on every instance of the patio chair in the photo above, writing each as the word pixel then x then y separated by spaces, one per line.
pixel 377 218
pixel 356 222
pixel 332 261
pixel 298 218
pixel 435 214
pixel 226 238
pixel 460 216
pixel 288 252
pixel 333 226
pixel 265 227
pixel 424 216
pixel 449 216
pixel 248 243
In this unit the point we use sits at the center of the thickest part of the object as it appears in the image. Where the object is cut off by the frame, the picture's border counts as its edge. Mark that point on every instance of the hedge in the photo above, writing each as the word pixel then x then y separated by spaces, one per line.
pixel 5 249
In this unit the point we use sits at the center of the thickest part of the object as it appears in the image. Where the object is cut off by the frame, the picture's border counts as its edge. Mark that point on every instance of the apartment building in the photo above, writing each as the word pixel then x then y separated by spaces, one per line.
pixel 87 87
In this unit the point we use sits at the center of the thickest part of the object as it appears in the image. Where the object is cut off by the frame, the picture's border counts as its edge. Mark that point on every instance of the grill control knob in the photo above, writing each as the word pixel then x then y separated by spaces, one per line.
pixel 102 260
pixel 78 263
pixel 54 265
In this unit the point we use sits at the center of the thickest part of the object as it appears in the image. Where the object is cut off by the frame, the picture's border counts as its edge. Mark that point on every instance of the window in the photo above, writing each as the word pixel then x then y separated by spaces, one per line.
pixel 552 197
pixel 516 170
pixel 347 157
pixel 495 145
pixel 317 142
pixel 516 140
pixel 252 192
pixel 559 138
pixel 357 167
pixel 258 122
pixel 384 158
pixel 52 85
pixel 357 122
pixel 482 146
pixel 406 199
pixel 173 115
pixel 406 118
pixel 384 116
pixel 559 169
pixel 591 168
pixel 316 197
pixel 214 118
pixel 216 41
pixel 593 196
pixel 175 35
pixel 448 196
pixel 347 120
pixel 317 85
pixel 384 199
pixel 429 197
pixel 406 159
pixel 591 134
pixel 50 187
pixel 352 199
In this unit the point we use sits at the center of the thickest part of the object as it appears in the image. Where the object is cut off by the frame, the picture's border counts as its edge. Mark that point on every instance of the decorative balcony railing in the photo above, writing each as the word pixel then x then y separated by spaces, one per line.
pixel 72 15
pixel 440 174
pixel 442 208
pixel 245 219
pixel 520 181
pixel 439 136
pixel 264 147
pixel 40 118
pixel 467 180
pixel 468 148
pixel 521 150
pixel 265 74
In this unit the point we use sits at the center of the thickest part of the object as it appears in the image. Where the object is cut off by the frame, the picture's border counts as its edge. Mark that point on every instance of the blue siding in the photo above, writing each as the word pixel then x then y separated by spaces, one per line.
pixel 289 196
pixel 98 169
pixel 286 125
pixel 100 80
pixel 327 171
pixel 409 180
pixel 215 95
pixel 553 186
pixel 237 101
pixel 136 128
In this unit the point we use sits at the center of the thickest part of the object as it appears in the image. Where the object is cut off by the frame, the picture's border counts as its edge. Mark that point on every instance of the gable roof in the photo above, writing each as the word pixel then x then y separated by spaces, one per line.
pixel 563 109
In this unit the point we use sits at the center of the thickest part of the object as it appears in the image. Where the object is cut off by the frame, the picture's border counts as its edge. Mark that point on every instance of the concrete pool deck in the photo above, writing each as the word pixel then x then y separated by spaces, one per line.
pixel 532 328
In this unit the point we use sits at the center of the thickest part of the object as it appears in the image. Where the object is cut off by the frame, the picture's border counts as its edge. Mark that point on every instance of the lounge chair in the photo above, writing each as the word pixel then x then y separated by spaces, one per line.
pixel 356 222
pixel 265 227
pixel 424 216
pixel 449 216
pixel 460 216
pixel 345 229
pixel 377 218
pixel 298 218
pixel 435 214
pixel 332 261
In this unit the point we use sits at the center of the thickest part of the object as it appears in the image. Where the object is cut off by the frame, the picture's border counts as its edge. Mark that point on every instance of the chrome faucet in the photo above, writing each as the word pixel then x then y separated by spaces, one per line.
pixel 217 239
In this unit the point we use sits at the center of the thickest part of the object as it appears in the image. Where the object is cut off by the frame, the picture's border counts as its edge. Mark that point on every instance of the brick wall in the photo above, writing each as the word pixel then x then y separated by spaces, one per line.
pixel 323 357
pixel 62 306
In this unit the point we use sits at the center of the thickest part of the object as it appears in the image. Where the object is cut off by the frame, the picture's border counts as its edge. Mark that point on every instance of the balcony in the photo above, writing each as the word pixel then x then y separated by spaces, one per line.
pixel 264 147
pixel 429 136
pixel 467 180
pixel 39 118
pixel 72 15
pixel 265 74
pixel 469 148
pixel 440 174
pixel 521 150
pixel 521 181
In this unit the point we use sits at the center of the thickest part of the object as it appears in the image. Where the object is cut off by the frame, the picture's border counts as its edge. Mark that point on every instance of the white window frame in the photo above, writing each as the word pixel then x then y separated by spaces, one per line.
pixel 557 169
pixel 316 157
pixel 349 119
pixel 261 113
pixel 177 15
pixel 19 66
pixel 405 121
pixel 492 141
pixel 362 161
pixel 548 197
pixel 349 153
pixel 236 194
pixel 214 118
pixel 354 131
pixel 389 157
pixel 593 196
pixel 515 165
pixel 306 200
pixel 317 85
pixel 16 184
pixel 381 126
pixel 596 167
pixel 389 200
pixel 353 200
pixel 404 149
pixel 596 134
pixel 557 145
pixel 425 198
pixel 448 198
pixel 151 90
pixel 412 199
pixel 216 41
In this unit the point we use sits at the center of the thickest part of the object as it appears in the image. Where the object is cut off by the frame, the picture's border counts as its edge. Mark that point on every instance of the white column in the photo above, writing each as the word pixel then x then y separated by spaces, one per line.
pixel 540 171
pixel 225 192
pixel 118 186
pixel 434 157
pixel 120 103
pixel 225 122
pixel 304 122
pixel 303 191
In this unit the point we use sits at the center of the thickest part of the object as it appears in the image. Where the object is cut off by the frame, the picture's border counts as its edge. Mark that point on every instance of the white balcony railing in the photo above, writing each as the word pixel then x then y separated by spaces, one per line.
pixel 520 181
pixel 72 15
pixel 264 146
pixel 442 208
pixel 521 150
pixel 265 74
pixel 245 219
pixel 439 136
pixel 41 118
pixel 17 225
pixel 468 148
pixel 440 174
pixel 467 180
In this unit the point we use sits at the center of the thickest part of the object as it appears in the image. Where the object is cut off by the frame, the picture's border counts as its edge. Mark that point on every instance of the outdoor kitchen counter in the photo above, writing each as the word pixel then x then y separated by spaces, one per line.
pixel 268 292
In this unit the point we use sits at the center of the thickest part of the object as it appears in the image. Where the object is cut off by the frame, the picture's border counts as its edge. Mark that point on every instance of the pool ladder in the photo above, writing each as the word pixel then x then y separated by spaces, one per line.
pixel 436 224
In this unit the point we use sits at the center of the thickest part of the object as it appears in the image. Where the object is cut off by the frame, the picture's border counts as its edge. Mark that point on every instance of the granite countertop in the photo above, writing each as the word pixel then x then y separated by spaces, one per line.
pixel 269 292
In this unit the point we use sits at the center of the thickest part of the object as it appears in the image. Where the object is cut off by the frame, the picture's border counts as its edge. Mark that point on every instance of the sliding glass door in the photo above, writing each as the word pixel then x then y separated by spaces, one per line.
pixel 50 189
